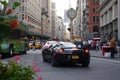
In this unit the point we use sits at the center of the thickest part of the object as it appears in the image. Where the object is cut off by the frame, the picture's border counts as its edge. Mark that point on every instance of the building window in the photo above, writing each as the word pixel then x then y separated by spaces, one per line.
pixel 22 1
pixel 83 1
pixel 23 8
pixel 19 17
pixel 95 28
pixel 110 14
pixel 19 8
pixel 59 28
pixel 23 16
pixel 96 19
pixel 95 1
pixel 93 18
pixel 94 10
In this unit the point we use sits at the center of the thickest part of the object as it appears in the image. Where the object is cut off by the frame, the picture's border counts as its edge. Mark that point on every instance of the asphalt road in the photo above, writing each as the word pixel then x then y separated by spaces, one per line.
pixel 99 69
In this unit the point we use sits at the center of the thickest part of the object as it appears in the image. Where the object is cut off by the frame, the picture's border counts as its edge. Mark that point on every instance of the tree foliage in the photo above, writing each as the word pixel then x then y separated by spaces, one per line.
pixel 7 21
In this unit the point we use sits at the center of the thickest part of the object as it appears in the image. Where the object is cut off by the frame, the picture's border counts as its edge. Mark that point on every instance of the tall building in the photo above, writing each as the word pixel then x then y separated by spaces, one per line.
pixel 109 19
pixel 29 14
pixel 118 19
pixel 79 20
pixel 60 29
pixel 66 20
pixel 53 21
pixel 93 18
pixel 46 16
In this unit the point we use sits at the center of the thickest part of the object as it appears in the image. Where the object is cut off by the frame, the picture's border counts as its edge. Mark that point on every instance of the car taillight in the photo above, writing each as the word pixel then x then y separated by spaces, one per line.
pixel 86 51
pixel 61 50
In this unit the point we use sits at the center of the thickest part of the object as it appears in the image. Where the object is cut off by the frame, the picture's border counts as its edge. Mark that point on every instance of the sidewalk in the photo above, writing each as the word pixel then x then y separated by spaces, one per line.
pixel 98 54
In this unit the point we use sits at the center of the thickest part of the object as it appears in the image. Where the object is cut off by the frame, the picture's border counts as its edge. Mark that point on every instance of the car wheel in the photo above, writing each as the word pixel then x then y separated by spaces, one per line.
pixel 53 62
pixel 44 59
pixel 25 50
pixel 86 62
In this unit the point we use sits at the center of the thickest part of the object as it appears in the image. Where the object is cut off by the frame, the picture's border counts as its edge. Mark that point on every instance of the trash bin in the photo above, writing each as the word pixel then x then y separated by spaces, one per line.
pixel 105 49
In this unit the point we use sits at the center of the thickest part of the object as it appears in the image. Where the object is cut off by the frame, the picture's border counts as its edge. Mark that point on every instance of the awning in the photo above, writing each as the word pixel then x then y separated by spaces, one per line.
pixel 44 36
pixel 98 38
pixel 24 28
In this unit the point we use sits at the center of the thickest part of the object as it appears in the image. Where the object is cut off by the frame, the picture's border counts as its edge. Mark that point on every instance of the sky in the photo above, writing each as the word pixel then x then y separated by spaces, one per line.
pixel 61 5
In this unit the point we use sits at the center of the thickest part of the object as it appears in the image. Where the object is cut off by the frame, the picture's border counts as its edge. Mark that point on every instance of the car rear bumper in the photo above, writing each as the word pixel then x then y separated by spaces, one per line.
pixel 71 58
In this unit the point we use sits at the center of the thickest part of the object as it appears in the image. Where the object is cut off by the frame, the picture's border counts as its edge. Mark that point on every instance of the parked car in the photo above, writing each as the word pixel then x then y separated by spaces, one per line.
pixel 63 52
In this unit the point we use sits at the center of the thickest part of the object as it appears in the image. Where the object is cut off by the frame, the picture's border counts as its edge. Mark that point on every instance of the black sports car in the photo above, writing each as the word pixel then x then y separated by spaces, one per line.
pixel 66 52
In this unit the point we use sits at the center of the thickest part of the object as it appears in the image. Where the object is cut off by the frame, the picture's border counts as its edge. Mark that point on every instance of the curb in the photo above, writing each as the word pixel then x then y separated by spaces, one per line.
pixel 116 59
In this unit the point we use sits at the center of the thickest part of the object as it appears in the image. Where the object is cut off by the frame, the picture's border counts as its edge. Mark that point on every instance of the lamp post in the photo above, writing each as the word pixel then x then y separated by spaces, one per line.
pixel 71 14
pixel 71 28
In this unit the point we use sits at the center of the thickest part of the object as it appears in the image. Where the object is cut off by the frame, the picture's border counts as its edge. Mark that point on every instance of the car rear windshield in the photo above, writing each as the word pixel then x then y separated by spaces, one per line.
pixel 68 45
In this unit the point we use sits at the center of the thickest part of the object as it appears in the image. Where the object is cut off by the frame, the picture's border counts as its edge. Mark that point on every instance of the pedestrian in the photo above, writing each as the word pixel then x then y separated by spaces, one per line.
pixel 80 44
pixel 33 45
pixel 101 44
pixel 94 44
pixel 97 45
pixel 89 43
pixel 113 47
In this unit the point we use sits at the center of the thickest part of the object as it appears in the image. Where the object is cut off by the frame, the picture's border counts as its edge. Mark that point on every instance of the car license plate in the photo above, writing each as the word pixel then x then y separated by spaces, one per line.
pixel 75 57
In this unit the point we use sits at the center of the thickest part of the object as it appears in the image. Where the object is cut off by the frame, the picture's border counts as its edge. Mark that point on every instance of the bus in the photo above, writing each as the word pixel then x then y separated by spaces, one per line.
pixel 16 43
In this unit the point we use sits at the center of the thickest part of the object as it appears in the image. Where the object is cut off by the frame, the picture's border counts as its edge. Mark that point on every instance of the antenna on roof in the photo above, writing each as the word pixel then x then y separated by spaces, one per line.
pixel 69 4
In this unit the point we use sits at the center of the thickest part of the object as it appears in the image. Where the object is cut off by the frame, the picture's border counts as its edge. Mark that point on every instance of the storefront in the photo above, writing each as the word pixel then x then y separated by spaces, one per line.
pixel 24 32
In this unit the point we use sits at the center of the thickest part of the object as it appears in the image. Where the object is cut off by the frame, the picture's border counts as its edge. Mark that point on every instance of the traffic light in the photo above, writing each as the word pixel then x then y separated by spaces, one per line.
pixel 69 29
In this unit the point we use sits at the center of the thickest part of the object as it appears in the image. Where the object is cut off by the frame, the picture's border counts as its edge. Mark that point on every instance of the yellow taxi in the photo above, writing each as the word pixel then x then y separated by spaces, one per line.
pixel 34 45
pixel 30 44
pixel 37 45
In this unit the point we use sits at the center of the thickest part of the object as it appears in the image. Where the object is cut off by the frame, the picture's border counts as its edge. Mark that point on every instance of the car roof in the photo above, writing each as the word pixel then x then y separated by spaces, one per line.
pixel 51 42
pixel 67 44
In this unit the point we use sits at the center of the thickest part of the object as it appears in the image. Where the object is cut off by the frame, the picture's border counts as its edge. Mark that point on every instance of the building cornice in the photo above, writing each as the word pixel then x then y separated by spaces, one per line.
pixel 103 4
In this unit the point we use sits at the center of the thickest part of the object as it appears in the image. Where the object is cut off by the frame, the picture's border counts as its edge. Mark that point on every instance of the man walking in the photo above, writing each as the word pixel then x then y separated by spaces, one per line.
pixel 112 47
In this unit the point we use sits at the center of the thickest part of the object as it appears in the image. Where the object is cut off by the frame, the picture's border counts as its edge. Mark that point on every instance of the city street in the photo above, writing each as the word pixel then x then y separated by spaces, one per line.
pixel 78 31
pixel 99 68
